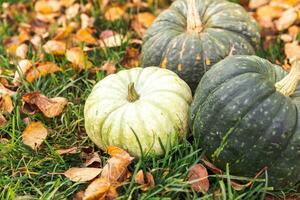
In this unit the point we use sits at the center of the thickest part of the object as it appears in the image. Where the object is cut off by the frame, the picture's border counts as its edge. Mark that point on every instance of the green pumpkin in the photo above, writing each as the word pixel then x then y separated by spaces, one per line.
pixel 139 110
pixel 242 114
pixel 192 35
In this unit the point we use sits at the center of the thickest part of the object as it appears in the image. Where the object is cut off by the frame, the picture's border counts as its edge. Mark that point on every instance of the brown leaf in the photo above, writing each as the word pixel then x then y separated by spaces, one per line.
pixel 22 67
pixel 21 51
pixel 113 13
pixel 41 69
pixel 77 57
pixel 82 174
pixel 72 150
pixel 100 189
pixel 292 50
pixel 4 91
pixel 131 58
pixel 49 107
pixel 141 22
pixel 109 67
pixel 257 3
pixel 34 134
pixel 47 7
pixel 78 196
pixel 287 19
pixel 198 177
pixel 6 105
pixel 85 35
pixel 63 32
pixel 3 121
pixel 145 180
pixel 212 167
pixel 92 159
pixel 55 47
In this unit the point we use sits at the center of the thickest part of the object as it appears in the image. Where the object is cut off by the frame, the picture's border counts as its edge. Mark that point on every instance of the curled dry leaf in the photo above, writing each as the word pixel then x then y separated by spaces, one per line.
pixel 292 50
pixel 198 177
pixel 85 35
pixel 41 69
pixel 77 174
pixel 146 180
pixel 113 13
pixel 257 3
pixel 55 47
pixel 100 189
pixel 287 19
pixel 77 57
pixel 71 150
pixel 49 107
pixel 34 134
pixel 22 67
pixel 109 67
pixel 22 51
pixel 92 159
pixel 47 7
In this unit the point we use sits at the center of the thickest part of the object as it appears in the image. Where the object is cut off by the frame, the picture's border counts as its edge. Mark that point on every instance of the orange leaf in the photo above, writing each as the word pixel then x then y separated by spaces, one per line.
pixel 99 189
pixel 198 177
pixel 257 3
pixel 55 47
pixel 6 104
pixel 85 35
pixel 145 180
pixel 114 13
pixel 63 33
pixel 82 174
pixel 269 12
pixel 47 7
pixel 49 107
pixel 41 70
pixel 34 134
pixel 77 57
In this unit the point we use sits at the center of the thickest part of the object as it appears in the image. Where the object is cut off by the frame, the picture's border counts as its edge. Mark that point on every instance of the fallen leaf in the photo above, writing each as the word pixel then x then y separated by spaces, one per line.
pixel 114 40
pixel 292 50
pixel 141 22
pixel 257 3
pixel 145 180
pixel 287 19
pixel 67 3
pixel 4 91
pixel 22 67
pixel 113 13
pixel 78 196
pixel 286 38
pixel 294 31
pixel 77 57
pixel 55 47
pixel 269 12
pixel 3 121
pixel 72 150
pixel 21 51
pixel 72 11
pixel 23 36
pixel 47 7
pixel 34 135
pixel 49 107
pixel 6 105
pixel 92 159
pixel 63 32
pixel 100 189
pixel 36 41
pixel 198 177
pixel 212 167
pixel 286 4
pixel 131 58
pixel 77 174
pixel 86 21
pixel 41 69
pixel 85 35
pixel 109 67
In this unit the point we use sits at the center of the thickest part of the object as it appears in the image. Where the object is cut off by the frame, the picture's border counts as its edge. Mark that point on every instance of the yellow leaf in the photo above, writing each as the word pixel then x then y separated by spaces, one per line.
pixel 55 47
pixel 114 13
pixel 34 134
pixel 42 69
pixel 269 12
pixel 6 104
pixel 47 7
pixel 85 35
pixel 77 57
pixel 82 174
pixel 257 3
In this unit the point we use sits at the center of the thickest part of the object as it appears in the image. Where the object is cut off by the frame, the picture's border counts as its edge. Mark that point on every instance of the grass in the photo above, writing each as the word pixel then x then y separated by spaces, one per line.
pixel 25 173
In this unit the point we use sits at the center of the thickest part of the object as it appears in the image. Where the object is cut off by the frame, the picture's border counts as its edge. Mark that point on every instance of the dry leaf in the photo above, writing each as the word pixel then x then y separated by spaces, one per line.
pixel 294 31
pixel 3 121
pixel 198 177
pixel 112 40
pixel 23 36
pixel 141 22
pixel 21 51
pixel 67 3
pixel 114 13
pixel 36 41
pixel 212 167
pixel 47 7
pixel 6 105
pixel 292 50
pixel 4 91
pixel 145 180
pixel 86 21
pixel 42 69
pixel 78 196
pixel 49 107
pixel 92 159
pixel 34 134
pixel 131 58
pixel 64 32
pixel 55 47
pixel 109 67
pixel 100 189
pixel 72 11
pixel 72 150
pixel 22 67
pixel 77 57
pixel 284 3
pixel 286 38
pixel 257 3
pixel 269 12
pixel 287 19
pixel 85 35
pixel 82 174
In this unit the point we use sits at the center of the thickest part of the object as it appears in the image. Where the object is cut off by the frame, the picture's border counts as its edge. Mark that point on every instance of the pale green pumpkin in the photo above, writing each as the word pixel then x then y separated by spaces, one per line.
pixel 138 106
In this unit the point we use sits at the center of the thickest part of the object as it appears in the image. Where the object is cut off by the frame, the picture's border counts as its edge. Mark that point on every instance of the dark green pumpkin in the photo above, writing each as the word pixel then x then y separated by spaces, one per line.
pixel 192 35
pixel 240 118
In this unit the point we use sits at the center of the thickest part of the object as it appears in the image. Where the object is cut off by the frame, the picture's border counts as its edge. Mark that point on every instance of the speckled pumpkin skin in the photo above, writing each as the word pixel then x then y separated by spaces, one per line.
pixel 241 119
pixel 226 25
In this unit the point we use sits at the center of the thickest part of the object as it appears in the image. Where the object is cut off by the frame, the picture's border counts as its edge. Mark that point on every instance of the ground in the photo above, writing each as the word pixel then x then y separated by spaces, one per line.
pixel 31 174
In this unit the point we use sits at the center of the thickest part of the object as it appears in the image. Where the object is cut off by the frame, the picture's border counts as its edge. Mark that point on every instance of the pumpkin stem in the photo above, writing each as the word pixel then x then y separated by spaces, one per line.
pixel 132 94
pixel 288 84
pixel 194 23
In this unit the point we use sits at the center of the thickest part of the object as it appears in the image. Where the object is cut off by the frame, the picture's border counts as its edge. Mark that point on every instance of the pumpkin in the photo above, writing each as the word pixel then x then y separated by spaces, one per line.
pixel 192 35
pixel 246 113
pixel 139 110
